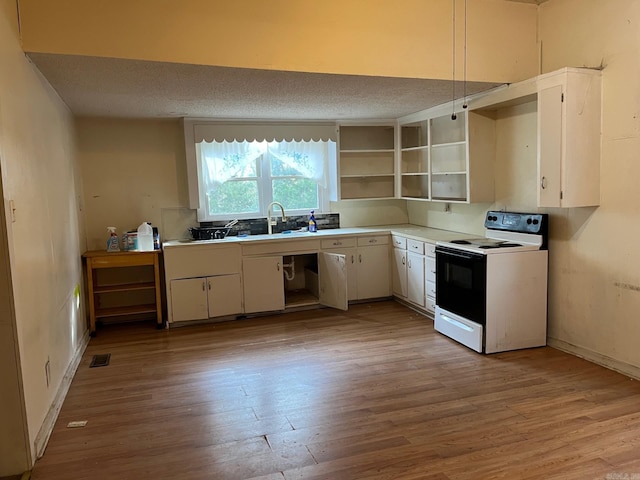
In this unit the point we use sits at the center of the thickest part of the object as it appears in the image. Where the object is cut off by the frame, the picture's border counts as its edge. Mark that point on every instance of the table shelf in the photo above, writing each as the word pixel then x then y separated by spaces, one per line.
pixel 97 260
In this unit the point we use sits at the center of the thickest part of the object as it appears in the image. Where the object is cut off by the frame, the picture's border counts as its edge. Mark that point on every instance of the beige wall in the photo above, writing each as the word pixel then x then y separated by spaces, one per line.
pixel 133 171
pixel 40 174
pixel 594 284
pixel 595 280
pixel 411 38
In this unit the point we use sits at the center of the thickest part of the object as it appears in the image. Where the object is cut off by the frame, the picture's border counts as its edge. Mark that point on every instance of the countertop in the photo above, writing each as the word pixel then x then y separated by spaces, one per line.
pixel 414 232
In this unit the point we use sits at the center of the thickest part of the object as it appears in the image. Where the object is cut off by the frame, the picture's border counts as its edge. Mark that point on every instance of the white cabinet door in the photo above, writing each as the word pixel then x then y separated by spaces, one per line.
pixel 263 284
pixel 373 272
pixel 569 134
pixel 189 299
pixel 350 255
pixel 224 295
pixel 549 146
pixel 415 278
pixel 399 273
pixel 332 276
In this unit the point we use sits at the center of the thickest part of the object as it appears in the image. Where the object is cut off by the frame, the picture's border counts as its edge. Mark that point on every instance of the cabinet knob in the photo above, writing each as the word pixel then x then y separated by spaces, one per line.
pixel 543 182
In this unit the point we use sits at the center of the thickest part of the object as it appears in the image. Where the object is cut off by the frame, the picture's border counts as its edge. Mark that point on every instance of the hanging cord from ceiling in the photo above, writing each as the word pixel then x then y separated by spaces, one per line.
pixel 453 61
pixel 464 80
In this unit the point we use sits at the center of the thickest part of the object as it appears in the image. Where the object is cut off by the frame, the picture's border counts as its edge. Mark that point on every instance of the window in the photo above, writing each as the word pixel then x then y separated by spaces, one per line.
pixel 240 179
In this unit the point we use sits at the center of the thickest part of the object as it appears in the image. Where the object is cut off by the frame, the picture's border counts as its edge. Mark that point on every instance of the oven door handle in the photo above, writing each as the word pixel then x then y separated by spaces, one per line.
pixel 459 254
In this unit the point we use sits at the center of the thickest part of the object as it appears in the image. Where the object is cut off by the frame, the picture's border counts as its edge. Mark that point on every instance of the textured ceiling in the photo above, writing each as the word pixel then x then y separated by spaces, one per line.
pixel 107 87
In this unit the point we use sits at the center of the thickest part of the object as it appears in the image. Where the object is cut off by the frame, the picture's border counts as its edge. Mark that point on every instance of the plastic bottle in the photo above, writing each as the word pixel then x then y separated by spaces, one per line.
pixel 145 237
pixel 113 243
pixel 313 226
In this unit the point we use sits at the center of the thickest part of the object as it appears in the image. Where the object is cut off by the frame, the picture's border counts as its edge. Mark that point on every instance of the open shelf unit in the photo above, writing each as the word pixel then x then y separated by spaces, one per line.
pixel 448 160
pixel 123 284
pixel 367 161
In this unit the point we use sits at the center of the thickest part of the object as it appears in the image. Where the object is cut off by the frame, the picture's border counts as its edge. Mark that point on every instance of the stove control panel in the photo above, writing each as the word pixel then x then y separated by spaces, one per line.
pixel 535 223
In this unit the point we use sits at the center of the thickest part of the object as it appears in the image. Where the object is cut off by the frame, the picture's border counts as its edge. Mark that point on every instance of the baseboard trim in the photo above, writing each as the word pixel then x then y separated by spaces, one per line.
pixel 595 357
pixel 40 442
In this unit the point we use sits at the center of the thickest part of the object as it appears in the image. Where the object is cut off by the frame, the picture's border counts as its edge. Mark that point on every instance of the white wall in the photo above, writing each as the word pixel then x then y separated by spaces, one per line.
pixel 595 279
pixel 133 171
pixel 40 174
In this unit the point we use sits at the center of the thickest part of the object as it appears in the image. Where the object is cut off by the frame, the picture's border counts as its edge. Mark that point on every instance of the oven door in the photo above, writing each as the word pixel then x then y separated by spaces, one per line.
pixel 461 283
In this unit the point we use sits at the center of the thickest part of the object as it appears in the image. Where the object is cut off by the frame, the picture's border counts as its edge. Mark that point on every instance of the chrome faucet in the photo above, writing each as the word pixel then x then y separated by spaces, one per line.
pixel 271 223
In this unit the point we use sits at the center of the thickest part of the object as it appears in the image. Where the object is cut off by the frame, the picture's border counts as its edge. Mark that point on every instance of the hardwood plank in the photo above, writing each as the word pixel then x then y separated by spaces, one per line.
pixel 372 393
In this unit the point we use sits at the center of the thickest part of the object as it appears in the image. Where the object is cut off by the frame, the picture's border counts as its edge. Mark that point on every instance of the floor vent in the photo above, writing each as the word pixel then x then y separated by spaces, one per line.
pixel 100 360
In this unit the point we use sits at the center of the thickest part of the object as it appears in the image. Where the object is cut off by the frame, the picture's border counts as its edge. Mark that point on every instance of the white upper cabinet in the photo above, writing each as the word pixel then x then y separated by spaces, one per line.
pixel 367 161
pixel 448 159
pixel 569 136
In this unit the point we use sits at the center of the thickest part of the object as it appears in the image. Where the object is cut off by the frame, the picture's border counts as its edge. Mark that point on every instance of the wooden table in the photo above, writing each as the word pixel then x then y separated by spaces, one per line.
pixel 97 259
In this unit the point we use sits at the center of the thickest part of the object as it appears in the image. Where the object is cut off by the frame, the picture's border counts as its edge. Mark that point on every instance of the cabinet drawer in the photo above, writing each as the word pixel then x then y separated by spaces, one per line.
pixel 399 242
pixel 431 289
pixel 415 246
pixel 201 261
pixel 430 269
pixel 376 240
pixel 281 247
pixel 430 249
pixel 123 260
pixel 431 304
pixel 338 243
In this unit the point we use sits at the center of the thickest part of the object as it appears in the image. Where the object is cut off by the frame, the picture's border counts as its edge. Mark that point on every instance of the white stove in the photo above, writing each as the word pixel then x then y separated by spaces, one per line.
pixel 506 233
pixel 491 292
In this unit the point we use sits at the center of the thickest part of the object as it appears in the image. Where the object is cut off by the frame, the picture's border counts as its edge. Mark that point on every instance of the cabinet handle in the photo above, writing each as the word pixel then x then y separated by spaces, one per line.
pixel 403 260
pixel 336 244
pixel 203 289
pixel 278 266
pixel 373 240
pixel 543 182
pixel 353 260
pixel 409 263
pixel 360 258
pixel 209 285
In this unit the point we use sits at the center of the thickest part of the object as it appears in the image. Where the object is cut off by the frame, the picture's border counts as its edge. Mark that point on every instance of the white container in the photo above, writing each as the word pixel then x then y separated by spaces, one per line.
pixel 145 237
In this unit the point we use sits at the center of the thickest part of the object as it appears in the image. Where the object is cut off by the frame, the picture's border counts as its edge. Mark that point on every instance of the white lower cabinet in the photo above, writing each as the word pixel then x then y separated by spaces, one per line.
pixel 415 278
pixel 367 265
pixel 205 297
pixel 202 281
pixel 399 266
pixel 430 277
pixel 373 267
pixel 263 284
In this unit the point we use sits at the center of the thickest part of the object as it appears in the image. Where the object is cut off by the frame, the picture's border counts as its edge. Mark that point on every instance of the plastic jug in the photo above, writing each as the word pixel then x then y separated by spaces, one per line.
pixel 145 237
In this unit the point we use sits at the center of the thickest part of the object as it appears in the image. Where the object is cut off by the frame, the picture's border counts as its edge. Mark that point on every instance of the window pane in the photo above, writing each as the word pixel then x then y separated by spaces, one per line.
pixel 234 197
pixel 281 169
pixel 238 166
pixel 296 193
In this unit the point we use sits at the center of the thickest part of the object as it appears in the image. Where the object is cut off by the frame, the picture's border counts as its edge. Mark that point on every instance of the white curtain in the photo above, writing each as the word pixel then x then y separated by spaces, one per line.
pixel 307 158
pixel 222 161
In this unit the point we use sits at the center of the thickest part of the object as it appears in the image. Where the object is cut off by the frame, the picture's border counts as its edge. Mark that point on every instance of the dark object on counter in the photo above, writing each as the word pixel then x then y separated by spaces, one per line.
pixel 209 233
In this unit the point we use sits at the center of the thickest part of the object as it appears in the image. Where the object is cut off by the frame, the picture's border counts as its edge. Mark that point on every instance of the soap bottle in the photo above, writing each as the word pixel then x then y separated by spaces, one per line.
pixel 113 243
pixel 313 226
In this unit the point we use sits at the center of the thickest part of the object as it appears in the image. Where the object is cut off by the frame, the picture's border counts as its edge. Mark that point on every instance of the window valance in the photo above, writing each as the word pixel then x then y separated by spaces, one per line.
pixel 239 132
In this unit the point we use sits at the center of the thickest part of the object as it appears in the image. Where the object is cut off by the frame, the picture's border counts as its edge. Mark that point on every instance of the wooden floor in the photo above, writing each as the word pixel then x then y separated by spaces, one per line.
pixel 372 393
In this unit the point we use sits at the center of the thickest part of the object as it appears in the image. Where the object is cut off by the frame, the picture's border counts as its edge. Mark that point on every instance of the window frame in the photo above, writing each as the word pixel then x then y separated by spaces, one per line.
pixel 265 188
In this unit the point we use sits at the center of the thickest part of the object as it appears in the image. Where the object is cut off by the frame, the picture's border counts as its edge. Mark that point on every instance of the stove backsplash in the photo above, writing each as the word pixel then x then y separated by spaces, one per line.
pixel 258 226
